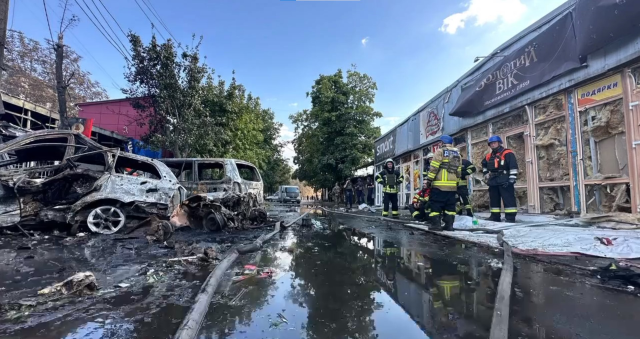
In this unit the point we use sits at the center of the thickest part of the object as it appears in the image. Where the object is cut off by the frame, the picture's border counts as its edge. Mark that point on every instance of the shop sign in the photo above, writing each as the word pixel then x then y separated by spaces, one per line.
pixel 430 124
pixel 386 147
pixel 600 90
pixel 548 54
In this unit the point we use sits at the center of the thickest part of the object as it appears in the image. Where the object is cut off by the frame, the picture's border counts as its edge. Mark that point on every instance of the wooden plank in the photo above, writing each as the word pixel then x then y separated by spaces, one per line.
pixel 500 321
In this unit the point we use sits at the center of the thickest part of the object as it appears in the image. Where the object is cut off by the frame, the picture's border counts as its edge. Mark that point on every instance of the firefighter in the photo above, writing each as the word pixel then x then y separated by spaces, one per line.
pixel 500 169
pixel 463 190
pixel 443 178
pixel 427 164
pixel 390 179
pixel 420 205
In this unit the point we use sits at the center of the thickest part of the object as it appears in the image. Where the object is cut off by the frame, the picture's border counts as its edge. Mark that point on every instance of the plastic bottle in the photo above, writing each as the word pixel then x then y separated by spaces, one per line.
pixel 475 221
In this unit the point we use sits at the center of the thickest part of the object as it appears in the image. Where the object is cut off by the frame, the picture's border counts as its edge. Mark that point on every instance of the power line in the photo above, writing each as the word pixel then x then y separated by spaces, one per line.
pixel 101 32
pixel 114 19
pixel 154 12
pixel 108 25
pixel 47 15
pixel 96 61
pixel 151 21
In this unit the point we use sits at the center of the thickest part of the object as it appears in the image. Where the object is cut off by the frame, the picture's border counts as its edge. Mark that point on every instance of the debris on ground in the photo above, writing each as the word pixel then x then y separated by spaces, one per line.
pixel 251 271
pixel 232 210
pixel 366 208
pixel 82 283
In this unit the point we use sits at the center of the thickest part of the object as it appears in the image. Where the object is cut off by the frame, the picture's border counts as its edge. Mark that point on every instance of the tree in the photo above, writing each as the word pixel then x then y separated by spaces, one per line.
pixel 336 136
pixel 31 74
pixel 167 89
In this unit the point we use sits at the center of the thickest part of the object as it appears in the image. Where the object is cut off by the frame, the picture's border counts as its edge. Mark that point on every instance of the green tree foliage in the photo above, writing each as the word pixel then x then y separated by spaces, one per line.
pixel 336 136
pixel 192 114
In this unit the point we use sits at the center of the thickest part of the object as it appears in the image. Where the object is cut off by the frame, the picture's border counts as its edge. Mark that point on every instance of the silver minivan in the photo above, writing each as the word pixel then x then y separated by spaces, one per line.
pixel 217 176
pixel 289 194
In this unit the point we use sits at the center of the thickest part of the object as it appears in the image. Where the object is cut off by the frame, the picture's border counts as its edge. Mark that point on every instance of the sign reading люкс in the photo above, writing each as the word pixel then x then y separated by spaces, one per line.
pixel 600 90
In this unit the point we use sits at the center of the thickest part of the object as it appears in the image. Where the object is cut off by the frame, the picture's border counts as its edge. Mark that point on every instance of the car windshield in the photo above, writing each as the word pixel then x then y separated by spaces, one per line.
pixel 292 189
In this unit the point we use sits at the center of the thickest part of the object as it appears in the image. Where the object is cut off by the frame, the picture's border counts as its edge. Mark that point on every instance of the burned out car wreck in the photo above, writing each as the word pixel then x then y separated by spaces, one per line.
pixel 63 177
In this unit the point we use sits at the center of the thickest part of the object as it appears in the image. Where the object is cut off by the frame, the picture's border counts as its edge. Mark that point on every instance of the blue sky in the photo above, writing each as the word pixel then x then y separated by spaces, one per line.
pixel 412 49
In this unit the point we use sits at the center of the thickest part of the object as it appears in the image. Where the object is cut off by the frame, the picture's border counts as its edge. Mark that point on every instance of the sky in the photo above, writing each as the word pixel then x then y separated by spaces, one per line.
pixel 412 49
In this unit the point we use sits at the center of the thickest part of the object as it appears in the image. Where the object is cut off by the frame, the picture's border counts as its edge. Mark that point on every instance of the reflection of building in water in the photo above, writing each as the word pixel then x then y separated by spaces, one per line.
pixel 440 296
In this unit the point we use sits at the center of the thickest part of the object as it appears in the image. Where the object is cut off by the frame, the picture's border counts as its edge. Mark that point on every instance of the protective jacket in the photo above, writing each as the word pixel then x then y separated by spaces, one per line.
pixel 501 165
pixel 467 169
pixel 389 179
pixel 422 196
pixel 445 168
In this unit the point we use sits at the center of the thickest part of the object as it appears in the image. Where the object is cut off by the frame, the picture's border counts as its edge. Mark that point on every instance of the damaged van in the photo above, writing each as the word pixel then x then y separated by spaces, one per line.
pixel 214 177
pixel 59 176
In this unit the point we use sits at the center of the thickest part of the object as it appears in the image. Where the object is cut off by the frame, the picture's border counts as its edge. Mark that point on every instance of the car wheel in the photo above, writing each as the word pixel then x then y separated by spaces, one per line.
pixel 106 220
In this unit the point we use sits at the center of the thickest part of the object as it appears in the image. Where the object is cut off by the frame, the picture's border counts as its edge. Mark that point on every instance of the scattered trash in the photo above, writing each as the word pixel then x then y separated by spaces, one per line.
pixel 84 283
pixel 366 208
pixel 605 241
pixel 253 271
pixel 495 263
pixel 122 285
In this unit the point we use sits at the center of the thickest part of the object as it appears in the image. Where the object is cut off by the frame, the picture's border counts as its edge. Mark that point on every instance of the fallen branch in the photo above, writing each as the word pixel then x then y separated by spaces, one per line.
pixel 500 321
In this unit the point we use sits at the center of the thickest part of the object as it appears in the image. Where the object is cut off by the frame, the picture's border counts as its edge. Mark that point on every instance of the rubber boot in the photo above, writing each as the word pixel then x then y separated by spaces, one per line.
pixel 509 218
pixel 435 223
pixel 469 213
pixel 494 217
pixel 448 222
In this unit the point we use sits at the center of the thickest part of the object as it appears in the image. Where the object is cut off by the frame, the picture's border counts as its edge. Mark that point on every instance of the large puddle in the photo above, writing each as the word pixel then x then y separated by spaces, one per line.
pixel 391 283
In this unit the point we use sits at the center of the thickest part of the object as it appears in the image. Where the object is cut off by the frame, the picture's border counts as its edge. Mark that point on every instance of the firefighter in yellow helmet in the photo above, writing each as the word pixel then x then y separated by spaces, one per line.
pixel 443 176
pixel 390 179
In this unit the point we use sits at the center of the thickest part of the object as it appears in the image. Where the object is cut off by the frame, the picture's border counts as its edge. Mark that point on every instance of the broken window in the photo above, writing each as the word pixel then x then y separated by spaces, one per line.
pixel 95 161
pixel 549 107
pixel 517 119
pixel 182 170
pixel 248 173
pixel 134 167
pixel 479 151
pixel 555 199
pixel 604 143
pixel 481 132
pixel 515 142
pixel 210 171
pixel 551 150
pixel 608 198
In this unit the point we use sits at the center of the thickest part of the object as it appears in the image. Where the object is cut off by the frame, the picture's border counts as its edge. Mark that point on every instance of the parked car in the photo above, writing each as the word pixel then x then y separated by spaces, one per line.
pixel 289 194
pixel 216 176
pixel 64 177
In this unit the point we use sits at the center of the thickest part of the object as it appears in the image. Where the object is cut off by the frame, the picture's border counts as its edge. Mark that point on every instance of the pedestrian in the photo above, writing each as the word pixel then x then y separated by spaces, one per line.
pixel 443 179
pixel 371 189
pixel 500 169
pixel 360 191
pixel 348 192
pixel 420 205
pixel 463 189
pixel 336 194
pixel 389 178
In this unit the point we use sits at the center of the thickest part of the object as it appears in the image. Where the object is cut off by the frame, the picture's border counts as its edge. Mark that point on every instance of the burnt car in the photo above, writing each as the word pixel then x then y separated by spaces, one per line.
pixel 214 177
pixel 56 176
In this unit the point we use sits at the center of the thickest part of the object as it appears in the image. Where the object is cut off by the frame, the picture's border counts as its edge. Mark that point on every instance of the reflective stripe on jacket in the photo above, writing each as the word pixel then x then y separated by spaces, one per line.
pixel 445 169
pixel 386 179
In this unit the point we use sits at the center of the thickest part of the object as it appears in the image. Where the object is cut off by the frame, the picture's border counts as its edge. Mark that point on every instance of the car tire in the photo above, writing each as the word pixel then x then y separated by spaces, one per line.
pixel 106 219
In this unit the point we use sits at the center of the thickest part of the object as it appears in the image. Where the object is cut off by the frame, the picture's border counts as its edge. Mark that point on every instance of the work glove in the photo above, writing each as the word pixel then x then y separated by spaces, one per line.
pixel 486 178
pixel 512 181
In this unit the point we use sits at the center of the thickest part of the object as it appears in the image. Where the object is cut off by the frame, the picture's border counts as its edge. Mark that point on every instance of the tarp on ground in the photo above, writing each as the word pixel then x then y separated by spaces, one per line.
pixel 547 238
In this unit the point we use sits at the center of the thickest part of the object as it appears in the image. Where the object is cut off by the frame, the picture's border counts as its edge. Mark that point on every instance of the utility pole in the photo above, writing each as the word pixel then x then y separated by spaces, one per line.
pixel 4 21
pixel 61 85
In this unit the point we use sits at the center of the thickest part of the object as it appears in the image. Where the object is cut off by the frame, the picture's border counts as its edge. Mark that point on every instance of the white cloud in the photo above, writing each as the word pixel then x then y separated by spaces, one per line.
pixel 483 12
pixel 285 133
pixel 365 41
pixel 387 123
pixel 295 104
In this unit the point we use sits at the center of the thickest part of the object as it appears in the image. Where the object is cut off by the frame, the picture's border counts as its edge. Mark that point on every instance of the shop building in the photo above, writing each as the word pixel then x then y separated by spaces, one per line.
pixel 563 94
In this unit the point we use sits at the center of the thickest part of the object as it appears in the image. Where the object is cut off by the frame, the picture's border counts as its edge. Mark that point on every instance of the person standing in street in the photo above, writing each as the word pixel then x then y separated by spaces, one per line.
pixel 420 205
pixel 360 191
pixel 371 189
pixel 443 177
pixel 463 189
pixel 500 169
pixel 389 178
pixel 336 194
pixel 348 194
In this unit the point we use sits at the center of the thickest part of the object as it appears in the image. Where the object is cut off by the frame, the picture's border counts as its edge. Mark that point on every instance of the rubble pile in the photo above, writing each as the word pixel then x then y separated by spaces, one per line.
pixel 231 210
pixel 613 198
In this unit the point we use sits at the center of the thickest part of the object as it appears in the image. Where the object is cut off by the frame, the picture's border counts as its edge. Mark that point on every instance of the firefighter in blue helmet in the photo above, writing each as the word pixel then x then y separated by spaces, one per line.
pixel 390 179
pixel 443 176
pixel 500 169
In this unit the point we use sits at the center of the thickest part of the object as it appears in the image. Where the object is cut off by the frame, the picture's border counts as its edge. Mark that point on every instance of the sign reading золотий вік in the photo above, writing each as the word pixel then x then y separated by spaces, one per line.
pixel 548 54
pixel 600 90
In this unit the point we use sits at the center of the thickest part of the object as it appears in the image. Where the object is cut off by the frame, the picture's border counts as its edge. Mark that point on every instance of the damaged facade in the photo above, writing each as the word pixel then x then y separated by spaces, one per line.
pixel 571 114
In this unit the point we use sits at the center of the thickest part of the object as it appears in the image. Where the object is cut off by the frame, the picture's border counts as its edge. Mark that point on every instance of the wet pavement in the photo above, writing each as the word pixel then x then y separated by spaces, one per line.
pixel 346 278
